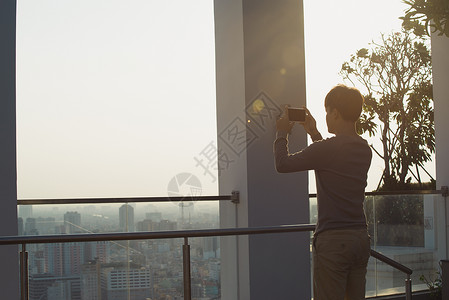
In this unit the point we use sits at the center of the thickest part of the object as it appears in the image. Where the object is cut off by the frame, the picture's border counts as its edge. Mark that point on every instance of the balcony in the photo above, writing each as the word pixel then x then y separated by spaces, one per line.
pixel 183 258
pixel 269 57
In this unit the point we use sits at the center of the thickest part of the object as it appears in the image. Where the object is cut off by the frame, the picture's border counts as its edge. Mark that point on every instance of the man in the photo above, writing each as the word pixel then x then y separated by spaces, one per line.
pixel 341 245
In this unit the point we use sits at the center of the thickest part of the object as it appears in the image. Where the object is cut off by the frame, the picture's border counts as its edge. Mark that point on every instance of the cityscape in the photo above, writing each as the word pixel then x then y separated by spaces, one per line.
pixel 152 269
pixel 140 269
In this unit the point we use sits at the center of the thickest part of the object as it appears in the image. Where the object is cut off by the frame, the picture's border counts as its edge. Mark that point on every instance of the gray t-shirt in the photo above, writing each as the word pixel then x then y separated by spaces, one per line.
pixel 341 165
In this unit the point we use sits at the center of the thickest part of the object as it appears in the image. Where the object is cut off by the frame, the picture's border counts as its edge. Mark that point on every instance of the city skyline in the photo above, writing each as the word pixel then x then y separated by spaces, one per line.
pixel 142 268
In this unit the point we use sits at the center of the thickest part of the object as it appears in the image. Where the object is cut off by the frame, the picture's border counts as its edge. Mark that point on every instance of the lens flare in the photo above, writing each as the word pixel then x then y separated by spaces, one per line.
pixel 258 106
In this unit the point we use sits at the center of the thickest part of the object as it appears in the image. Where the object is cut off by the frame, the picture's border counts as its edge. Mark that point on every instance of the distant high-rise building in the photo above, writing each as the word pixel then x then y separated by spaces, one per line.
pixel 73 258
pixel 154 216
pixel 145 225
pixel 59 290
pixel 186 212
pixel 45 225
pixel 210 247
pixel 38 285
pixel 20 226
pixel 50 287
pixel 25 211
pixel 214 270
pixel 211 289
pixel 100 251
pixel 197 290
pixel 90 281
pixel 72 222
pixel 36 262
pixel 151 225
pixel 126 218
pixel 60 229
pixel 65 259
pixel 30 227
pixel 121 281
pixel 167 225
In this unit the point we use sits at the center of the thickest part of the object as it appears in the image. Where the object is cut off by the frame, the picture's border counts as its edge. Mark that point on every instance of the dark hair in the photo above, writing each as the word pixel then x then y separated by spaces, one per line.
pixel 348 101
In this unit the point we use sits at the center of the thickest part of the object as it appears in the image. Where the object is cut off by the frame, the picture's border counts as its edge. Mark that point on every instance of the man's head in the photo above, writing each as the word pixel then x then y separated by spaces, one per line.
pixel 343 104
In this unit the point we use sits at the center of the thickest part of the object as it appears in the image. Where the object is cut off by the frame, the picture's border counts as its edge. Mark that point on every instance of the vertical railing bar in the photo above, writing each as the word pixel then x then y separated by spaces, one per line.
pixel 375 246
pixel 408 288
pixel 27 291
pixel 22 281
pixel 186 269
pixel 24 291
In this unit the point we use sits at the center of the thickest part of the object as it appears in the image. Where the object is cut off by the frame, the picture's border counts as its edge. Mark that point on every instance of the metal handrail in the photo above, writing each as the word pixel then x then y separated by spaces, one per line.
pixel 93 237
pixel 234 198
pixel 406 192
pixel 391 262
pixel 185 234
pixel 400 267
pixel 442 191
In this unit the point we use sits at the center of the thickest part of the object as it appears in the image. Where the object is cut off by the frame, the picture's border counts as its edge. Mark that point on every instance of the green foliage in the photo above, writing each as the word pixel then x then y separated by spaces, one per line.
pixel 432 12
pixel 397 75
pixel 435 286
pixel 397 210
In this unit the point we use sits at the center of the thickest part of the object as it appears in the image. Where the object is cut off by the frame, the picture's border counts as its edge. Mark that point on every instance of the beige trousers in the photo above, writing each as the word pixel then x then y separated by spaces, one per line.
pixel 340 258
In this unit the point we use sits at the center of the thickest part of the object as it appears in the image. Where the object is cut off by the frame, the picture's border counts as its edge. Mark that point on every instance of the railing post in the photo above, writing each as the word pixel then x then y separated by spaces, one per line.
pixel 24 294
pixel 444 264
pixel 186 269
pixel 22 289
pixel 408 288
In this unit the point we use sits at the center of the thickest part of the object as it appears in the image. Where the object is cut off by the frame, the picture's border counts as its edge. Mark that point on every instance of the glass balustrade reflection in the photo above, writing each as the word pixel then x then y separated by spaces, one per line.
pixel 136 269
pixel 408 229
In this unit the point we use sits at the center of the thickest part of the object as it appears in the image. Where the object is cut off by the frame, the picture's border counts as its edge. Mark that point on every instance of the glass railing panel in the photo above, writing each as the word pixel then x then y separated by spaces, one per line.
pixel 137 269
pixel 406 229
pixel 121 270
pixel 129 217
pixel 382 279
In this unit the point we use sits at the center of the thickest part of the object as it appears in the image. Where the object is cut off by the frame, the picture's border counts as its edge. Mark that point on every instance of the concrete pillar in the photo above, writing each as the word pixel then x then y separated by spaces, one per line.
pixel 260 68
pixel 440 70
pixel 9 276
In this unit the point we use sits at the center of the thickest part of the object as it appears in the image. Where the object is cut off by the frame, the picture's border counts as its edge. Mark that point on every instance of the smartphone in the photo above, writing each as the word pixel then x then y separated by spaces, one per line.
pixel 297 114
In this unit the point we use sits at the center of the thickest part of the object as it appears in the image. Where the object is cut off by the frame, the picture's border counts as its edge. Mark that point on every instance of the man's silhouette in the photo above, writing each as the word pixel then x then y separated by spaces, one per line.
pixel 341 244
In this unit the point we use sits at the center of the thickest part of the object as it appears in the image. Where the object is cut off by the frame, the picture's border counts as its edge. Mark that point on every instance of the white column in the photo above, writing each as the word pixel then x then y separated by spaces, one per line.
pixel 440 70
pixel 259 68
pixel 9 276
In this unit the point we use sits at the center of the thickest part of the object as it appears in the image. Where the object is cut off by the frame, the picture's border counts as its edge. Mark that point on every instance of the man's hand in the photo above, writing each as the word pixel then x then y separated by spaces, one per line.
pixel 283 124
pixel 310 126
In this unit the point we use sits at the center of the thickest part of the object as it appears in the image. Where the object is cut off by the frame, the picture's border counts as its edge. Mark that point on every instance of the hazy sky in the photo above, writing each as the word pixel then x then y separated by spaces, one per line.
pixel 115 98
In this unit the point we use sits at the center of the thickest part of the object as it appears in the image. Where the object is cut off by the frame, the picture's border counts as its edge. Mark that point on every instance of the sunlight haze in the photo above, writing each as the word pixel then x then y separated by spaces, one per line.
pixel 116 98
